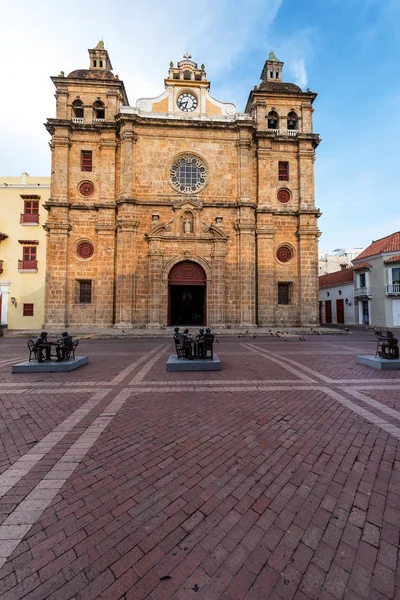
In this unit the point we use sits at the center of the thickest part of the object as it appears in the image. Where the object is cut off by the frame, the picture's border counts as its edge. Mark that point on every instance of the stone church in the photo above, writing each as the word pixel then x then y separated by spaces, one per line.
pixel 180 210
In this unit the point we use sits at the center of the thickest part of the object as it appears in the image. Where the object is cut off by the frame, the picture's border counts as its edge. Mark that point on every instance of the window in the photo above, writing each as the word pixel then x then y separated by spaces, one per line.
pixel 84 292
pixel 362 280
pixel 86 160
pixel 31 212
pixel 273 120
pixel 28 310
pixel 283 171
pixel 95 63
pixel 77 109
pixel 284 293
pixel 396 275
pixel 28 258
pixel 292 120
pixel 99 112
pixel 101 63
pixel 188 174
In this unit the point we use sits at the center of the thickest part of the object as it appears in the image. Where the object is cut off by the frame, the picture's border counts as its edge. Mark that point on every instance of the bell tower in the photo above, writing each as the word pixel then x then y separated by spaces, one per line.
pixel 272 70
pixel 99 58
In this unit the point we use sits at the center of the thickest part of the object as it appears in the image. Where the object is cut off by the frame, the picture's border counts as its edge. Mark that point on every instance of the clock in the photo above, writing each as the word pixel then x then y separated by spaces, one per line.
pixel 187 102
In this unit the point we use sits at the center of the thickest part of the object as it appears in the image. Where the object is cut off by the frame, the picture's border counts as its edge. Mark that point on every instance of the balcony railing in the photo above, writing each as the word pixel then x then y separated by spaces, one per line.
pixel 284 132
pixel 29 218
pixel 393 289
pixel 98 120
pixel 27 265
pixel 363 291
pixel 1 266
pixel 77 120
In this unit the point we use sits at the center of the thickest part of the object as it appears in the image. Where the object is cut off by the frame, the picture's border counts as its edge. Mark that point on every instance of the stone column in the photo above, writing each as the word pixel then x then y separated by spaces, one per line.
pixel 245 228
pixel 266 286
pixel 58 228
pixel 4 291
pixel 308 269
pixel 107 167
pixel 155 287
pixel 128 140
pixel 125 278
pixel 61 103
pixel 216 288
pixel 306 175
pixel 60 146
pixel 56 292
pixel 105 259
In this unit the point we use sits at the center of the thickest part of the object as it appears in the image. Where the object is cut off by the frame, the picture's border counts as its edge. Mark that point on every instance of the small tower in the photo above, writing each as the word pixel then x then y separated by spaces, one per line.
pixel 272 70
pixel 99 58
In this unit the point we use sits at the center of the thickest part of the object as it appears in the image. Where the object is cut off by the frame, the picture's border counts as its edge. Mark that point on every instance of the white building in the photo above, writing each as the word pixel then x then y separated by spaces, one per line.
pixel 336 298
pixel 377 283
pixel 331 261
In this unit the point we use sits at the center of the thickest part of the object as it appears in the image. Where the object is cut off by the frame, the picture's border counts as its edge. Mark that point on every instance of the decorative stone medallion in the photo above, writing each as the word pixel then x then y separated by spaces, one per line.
pixel 188 174
pixel 283 196
pixel 85 250
pixel 86 188
pixel 284 254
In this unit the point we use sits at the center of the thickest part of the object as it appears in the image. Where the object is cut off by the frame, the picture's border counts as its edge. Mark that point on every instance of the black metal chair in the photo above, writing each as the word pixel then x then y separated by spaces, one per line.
pixel 32 350
pixel 208 346
pixel 70 350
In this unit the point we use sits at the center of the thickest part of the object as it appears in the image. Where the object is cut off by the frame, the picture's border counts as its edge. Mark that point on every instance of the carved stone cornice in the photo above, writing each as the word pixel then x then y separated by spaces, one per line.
pixel 52 227
pixel 124 225
pixel 56 204
pixel 120 201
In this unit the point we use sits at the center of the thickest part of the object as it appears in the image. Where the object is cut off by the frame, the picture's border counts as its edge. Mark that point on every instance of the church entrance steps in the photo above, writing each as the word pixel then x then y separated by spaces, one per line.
pixel 167 332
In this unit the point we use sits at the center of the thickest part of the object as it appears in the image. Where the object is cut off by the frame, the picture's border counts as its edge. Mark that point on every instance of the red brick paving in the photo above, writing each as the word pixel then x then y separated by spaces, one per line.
pixel 226 494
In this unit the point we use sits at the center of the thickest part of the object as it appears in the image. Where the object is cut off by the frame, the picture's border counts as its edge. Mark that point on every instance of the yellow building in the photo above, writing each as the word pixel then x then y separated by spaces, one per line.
pixel 22 250
pixel 181 210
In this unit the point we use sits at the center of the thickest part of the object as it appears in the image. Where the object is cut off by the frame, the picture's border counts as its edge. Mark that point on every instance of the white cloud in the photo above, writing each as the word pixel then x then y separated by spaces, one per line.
pixel 44 37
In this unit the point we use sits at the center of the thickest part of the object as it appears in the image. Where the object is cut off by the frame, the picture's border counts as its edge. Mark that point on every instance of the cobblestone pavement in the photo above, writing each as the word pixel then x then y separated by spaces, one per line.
pixel 277 477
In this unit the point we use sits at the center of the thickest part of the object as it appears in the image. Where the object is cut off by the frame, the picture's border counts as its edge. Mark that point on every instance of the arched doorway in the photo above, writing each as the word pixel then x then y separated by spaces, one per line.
pixel 187 294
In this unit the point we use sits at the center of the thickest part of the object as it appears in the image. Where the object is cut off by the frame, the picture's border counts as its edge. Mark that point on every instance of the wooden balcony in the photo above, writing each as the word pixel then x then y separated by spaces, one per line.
pixel 29 218
pixel 27 265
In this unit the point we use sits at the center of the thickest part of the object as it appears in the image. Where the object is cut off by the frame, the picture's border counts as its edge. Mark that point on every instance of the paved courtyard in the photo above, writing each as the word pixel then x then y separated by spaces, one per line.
pixel 277 477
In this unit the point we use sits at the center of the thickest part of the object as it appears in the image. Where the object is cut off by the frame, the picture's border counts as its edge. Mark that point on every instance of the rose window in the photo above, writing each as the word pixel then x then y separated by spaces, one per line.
pixel 85 250
pixel 283 196
pixel 284 254
pixel 86 188
pixel 188 174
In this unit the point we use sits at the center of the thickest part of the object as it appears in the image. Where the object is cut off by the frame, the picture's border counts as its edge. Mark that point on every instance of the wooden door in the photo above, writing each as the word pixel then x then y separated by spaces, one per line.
pixel 340 310
pixel 328 311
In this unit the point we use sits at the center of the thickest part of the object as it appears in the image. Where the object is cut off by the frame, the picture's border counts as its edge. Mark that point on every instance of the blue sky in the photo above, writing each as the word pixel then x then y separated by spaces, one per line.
pixel 348 51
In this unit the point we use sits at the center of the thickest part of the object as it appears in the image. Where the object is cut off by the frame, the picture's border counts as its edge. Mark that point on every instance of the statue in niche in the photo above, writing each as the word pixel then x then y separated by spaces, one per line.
pixel 187 225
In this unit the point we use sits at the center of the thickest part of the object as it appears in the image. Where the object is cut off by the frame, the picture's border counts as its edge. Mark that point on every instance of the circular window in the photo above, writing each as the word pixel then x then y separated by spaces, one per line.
pixel 283 196
pixel 284 254
pixel 86 188
pixel 188 174
pixel 85 250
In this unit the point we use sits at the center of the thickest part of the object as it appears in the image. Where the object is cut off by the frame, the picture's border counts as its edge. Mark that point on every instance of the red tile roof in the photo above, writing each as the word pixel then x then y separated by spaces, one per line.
pixel 390 243
pixel 336 278
pixel 392 259
pixel 363 265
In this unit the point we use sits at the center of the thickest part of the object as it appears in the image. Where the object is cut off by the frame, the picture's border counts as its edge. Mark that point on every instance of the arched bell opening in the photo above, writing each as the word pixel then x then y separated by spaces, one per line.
pixel 187 295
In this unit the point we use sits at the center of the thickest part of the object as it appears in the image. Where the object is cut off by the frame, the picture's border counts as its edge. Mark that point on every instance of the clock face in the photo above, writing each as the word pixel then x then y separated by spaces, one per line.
pixel 187 102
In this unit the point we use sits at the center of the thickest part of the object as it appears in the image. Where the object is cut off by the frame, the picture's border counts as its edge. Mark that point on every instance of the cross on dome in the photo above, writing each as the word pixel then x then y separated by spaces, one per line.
pixel 187 55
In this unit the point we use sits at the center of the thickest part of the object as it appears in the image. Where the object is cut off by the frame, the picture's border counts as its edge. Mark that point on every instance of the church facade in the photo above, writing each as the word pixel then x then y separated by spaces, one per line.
pixel 180 210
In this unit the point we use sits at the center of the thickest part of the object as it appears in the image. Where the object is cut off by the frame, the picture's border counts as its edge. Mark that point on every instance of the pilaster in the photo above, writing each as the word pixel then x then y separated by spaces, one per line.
pixel 266 285
pixel 245 228
pixel 56 293
pixel 128 166
pixel 308 234
pixel 125 278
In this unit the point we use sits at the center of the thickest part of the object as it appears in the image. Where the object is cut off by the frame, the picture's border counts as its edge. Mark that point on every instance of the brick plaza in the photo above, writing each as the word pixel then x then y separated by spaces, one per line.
pixel 277 477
